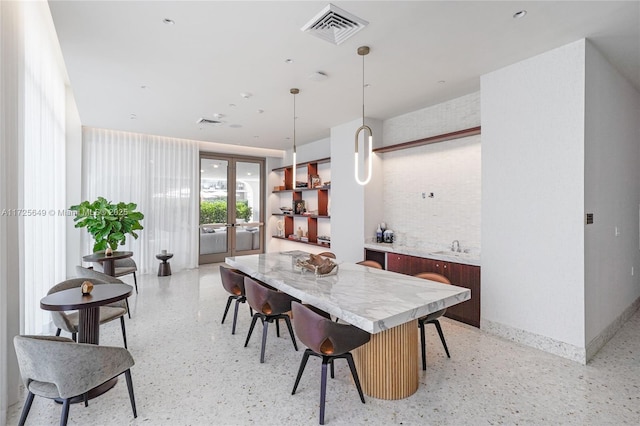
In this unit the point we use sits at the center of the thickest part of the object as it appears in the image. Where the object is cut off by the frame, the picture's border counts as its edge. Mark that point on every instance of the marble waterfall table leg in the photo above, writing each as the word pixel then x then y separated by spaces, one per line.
pixel 388 364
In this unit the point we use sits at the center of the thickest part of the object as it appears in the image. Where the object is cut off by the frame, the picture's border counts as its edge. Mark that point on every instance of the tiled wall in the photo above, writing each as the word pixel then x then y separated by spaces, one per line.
pixel 450 170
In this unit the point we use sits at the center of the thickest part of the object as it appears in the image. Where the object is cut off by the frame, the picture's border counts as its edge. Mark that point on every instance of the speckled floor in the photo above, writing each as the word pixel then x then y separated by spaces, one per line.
pixel 190 370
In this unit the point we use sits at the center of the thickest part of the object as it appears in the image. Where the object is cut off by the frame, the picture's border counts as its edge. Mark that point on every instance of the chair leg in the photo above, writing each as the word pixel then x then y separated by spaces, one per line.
pixel 323 389
pixel 303 364
pixel 235 317
pixel 26 408
pixel 85 398
pixel 64 417
pixel 253 323
pixel 293 337
pixel 127 375
pixel 354 373
pixel 423 346
pixel 124 332
pixel 226 309
pixel 277 321
pixel 333 376
pixel 128 310
pixel 74 336
pixel 444 342
pixel 135 281
pixel 58 332
pixel 265 328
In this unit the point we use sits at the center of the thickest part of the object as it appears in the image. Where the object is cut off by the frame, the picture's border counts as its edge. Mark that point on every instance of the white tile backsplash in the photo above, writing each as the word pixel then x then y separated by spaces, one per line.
pixel 450 170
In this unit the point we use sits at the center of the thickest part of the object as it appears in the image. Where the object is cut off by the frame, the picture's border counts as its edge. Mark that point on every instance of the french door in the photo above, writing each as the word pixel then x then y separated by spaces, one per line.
pixel 231 206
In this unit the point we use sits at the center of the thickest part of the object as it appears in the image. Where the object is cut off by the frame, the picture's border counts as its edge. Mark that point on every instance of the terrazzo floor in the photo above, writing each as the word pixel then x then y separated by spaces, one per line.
pixel 190 370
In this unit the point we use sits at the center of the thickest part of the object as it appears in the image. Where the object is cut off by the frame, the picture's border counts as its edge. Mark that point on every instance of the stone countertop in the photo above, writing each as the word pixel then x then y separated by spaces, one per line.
pixel 369 298
pixel 429 253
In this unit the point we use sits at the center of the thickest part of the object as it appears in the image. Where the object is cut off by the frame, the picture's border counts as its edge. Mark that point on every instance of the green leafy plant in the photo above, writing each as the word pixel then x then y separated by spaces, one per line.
pixel 108 223
pixel 216 211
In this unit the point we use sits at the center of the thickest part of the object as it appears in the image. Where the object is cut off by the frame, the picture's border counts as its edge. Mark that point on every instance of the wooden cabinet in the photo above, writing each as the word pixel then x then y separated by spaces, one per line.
pixel 467 276
pixel 319 194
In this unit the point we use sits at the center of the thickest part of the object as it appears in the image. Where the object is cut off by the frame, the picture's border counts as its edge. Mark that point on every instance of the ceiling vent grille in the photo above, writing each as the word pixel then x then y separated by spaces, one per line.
pixel 334 25
pixel 210 122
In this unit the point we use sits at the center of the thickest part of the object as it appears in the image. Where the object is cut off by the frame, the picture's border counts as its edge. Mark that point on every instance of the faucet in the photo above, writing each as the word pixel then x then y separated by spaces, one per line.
pixel 455 245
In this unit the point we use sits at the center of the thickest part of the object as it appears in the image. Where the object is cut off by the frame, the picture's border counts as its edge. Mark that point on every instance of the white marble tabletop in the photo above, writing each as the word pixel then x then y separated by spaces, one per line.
pixel 371 299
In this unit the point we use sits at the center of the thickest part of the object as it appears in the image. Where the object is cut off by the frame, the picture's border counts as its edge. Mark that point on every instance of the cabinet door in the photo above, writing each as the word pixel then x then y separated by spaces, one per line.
pixel 468 277
pixel 378 256
pixel 399 263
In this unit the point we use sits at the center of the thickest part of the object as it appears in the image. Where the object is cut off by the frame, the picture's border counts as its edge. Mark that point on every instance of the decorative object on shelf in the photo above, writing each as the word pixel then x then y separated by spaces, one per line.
pixel 320 266
pixel 324 239
pixel 299 232
pixel 367 142
pixel 315 181
pixel 388 236
pixel 301 184
pixel 86 287
pixel 298 207
pixel 294 92
pixel 108 223
pixel 286 210
pixel 280 228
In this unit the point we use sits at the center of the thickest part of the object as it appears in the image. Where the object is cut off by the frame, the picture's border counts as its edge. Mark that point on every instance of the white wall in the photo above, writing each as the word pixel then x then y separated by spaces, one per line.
pixel 533 200
pixel 612 193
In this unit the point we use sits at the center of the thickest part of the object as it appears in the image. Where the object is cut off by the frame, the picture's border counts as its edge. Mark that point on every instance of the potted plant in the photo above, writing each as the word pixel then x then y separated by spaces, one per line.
pixel 108 223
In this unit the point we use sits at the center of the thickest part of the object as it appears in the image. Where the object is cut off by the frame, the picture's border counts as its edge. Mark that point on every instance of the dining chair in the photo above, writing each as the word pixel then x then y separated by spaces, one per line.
pixel 123 267
pixel 329 341
pixel 432 318
pixel 58 368
pixel 68 321
pixel 370 263
pixel 82 272
pixel 269 306
pixel 233 283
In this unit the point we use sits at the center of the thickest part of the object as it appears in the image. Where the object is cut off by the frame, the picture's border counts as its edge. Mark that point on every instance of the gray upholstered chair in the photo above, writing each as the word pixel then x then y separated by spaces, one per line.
pixel 82 272
pixel 327 340
pixel 432 318
pixel 59 368
pixel 123 267
pixel 68 321
pixel 270 305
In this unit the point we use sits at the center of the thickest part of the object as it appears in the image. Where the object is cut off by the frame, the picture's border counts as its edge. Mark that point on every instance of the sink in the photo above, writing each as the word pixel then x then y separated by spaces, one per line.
pixel 450 253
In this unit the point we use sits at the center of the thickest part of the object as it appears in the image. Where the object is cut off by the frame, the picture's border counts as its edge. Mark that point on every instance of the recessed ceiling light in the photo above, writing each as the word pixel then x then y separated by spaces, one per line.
pixel 133 116
pixel 288 61
pixel 232 105
pixel 441 82
pixel 144 86
pixel 318 76
pixel 218 115
pixel 367 85
pixel 245 95
pixel 168 21
pixel 260 111
pixel 520 14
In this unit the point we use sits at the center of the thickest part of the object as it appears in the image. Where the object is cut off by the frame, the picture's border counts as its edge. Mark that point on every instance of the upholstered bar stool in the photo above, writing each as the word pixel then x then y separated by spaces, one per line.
pixel 270 306
pixel 327 340
pixel 370 263
pixel 233 282
pixel 432 318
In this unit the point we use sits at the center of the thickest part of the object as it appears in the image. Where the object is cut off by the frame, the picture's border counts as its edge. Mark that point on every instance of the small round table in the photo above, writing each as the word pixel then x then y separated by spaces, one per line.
pixel 108 263
pixel 164 269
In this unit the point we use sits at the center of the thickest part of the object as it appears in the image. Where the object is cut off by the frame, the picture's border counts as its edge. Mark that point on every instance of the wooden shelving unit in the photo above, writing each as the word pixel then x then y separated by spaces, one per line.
pixel 322 194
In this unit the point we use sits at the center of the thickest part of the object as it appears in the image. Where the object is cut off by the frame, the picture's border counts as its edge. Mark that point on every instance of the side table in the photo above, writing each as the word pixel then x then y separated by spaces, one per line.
pixel 164 269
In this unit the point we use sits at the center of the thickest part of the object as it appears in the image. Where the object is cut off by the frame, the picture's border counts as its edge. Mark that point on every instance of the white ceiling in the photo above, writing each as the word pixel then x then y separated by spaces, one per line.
pixel 217 50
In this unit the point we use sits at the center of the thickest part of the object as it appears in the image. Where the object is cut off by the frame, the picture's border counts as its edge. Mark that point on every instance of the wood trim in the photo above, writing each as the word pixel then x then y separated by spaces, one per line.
pixel 320 161
pixel 432 139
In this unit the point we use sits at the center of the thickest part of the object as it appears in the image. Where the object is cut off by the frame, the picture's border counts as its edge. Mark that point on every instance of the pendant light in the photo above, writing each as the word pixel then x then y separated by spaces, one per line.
pixel 294 92
pixel 368 142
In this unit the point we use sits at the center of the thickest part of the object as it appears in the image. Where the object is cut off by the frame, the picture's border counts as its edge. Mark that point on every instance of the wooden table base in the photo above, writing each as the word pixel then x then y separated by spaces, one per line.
pixel 388 364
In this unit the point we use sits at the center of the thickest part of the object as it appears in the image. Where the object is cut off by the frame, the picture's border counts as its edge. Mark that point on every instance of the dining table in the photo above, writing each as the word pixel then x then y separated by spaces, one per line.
pixel 107 260
pixel 384 303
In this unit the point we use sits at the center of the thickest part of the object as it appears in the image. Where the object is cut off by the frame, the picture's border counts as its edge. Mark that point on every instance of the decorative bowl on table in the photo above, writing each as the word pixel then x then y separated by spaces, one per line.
pixel 320 266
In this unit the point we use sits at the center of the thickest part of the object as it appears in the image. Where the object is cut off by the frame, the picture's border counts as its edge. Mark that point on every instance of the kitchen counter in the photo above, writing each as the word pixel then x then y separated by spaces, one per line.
pixel 429 253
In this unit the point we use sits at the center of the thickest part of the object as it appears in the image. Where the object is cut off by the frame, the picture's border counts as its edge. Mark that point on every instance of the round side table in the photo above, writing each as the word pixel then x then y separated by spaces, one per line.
pixel 164 269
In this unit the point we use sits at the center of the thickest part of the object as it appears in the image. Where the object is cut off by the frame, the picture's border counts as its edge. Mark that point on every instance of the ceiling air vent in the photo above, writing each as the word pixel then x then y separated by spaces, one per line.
pixel 210 122
pixel 334 25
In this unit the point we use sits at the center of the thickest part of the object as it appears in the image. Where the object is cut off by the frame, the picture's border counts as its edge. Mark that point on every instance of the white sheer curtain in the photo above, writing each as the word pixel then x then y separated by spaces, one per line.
pixel 44 165
pixel 161 176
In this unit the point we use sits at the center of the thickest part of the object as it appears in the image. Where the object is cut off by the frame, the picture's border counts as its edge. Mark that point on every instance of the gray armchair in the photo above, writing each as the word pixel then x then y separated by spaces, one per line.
pixel 83 272
pixel 123 267
pixel 68 321
pixel 59 368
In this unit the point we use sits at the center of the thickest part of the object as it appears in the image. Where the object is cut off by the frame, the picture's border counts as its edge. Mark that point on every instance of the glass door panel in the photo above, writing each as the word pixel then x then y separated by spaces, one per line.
pixel 231 221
